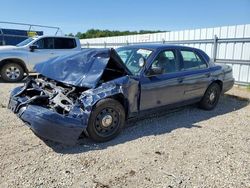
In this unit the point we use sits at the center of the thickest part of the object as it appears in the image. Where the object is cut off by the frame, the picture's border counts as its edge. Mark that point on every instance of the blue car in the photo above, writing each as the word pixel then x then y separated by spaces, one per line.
pixel 94 92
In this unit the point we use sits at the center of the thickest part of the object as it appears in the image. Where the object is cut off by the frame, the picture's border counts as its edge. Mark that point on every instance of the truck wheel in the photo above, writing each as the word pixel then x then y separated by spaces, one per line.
pixel 106 120
pixel 12 72
pixel 211 97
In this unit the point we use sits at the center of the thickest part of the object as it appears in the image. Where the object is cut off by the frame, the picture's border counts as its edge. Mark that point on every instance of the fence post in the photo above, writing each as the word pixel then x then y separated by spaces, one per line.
pixel 105 44
pixel 127 42
pixel 87 45
pixel 215 44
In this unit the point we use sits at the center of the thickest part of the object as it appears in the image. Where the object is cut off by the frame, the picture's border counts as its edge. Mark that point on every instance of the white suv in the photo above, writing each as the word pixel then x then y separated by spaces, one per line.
pixel 15 61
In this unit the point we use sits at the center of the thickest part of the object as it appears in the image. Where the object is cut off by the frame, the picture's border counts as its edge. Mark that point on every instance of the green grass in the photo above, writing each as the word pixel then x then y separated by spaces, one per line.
pixel 248 87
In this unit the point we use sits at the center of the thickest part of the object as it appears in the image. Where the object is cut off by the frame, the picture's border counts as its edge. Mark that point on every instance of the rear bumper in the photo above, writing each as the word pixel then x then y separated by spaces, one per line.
pixel 48 124
pixel 227 85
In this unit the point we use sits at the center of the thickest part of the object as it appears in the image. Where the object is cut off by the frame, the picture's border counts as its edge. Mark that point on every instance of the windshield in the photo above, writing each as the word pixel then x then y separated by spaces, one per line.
pixel 25 42
pixel 131 56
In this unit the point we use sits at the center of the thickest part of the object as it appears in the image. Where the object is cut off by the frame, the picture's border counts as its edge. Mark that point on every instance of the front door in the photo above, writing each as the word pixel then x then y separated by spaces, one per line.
pixel 45 51
pixel 165 87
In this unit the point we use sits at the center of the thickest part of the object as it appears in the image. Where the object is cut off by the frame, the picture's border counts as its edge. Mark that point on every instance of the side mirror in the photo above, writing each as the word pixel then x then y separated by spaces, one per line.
pixel 33 47
pixel 142 62
pixel 155 71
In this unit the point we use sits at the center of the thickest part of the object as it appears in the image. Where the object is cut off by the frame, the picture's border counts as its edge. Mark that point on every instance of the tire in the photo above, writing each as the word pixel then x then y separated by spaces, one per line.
pixel 106 120
pixel 211 97
pixel 12 72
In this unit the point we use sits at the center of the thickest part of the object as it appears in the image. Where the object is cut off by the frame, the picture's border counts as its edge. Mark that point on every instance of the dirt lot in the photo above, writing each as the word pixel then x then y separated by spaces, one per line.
pixel 186 148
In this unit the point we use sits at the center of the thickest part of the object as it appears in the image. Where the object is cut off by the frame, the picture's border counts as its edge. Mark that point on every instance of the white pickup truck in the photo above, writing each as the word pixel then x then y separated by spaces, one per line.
pixel 15 61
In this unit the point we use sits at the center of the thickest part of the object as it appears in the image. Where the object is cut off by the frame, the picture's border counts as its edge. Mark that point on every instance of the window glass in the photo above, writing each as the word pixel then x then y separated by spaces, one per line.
pixel 167 61
pixel 124 54
pixel 131 56
pixel 45 43
pixel 64 43
pixel 25 42
pixel 192 61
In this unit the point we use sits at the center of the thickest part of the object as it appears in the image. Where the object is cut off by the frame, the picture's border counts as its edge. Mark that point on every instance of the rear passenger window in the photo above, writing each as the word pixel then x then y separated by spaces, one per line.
pixel 64 43
pixel 192 61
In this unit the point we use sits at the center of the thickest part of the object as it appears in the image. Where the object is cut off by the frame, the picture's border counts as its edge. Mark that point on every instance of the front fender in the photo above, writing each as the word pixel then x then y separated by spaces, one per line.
pixel 90 97
pixel 20 56
pixel 127 87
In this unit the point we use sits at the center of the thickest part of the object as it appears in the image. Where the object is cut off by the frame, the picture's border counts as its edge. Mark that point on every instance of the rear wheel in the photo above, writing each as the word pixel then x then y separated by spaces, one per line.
pixel 12 72
pixel 106 120
pixel 211 97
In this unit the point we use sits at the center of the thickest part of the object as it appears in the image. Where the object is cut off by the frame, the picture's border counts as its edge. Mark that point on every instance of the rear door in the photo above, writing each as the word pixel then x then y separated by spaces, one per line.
pixel 64 46
pixel 196 74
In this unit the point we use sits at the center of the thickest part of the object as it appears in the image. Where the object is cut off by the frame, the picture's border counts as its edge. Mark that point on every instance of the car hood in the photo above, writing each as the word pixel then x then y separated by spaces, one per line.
pixel 7 47
pixel 82 69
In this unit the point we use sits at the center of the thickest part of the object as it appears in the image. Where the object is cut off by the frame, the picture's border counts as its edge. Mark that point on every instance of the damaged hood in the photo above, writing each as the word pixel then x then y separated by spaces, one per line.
pixel 82 69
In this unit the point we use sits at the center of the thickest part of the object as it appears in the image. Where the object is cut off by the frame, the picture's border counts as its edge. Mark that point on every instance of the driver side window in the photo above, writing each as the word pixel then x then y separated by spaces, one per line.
pixel 166 60
pixel 45 43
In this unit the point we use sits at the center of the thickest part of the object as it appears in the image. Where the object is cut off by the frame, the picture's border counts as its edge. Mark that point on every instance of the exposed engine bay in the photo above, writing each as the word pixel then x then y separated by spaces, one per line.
pixel 51 94
pixel 58 96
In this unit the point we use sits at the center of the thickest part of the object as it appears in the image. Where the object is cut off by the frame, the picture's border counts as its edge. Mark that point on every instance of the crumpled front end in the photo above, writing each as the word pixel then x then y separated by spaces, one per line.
pixel 58 103
pixel 50 109
pixel 60 112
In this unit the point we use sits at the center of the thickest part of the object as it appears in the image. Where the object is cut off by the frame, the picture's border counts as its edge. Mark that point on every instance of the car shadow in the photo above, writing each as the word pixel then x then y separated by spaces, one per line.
pixel 4 82
pixel 24 80
pixel 156 124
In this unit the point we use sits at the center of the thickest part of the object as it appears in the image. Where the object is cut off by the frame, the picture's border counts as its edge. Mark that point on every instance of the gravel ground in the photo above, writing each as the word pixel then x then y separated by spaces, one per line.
pixel 186 148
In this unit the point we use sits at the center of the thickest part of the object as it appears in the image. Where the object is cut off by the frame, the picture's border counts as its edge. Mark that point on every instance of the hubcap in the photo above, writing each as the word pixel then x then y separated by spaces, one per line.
pixel 107 120
pixel 212 96
pixel 12 72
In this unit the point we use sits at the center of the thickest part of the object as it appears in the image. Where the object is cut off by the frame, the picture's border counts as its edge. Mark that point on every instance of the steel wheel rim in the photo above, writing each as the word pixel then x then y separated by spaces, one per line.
pixel 107 122
pixel 212 97
pixel 12 72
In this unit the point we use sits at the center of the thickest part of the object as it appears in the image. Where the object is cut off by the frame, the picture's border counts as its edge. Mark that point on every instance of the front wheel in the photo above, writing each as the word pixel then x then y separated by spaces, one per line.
pixel 12 72
pixel 211 97
pixel 106 120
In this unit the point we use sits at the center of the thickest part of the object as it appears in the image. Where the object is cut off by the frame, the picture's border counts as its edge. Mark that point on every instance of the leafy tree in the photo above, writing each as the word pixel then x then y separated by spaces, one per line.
pixel 70 35
pixel 96 33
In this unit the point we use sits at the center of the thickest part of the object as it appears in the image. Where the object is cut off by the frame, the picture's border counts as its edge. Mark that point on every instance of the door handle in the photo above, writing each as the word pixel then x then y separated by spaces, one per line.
pixel 208 74
pixel 180 80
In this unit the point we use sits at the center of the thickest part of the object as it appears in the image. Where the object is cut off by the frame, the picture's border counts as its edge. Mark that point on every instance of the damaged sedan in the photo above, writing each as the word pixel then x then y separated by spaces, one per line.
pixel 94 92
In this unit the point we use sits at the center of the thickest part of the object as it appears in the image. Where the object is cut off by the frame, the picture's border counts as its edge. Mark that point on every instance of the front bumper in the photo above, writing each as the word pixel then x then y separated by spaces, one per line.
pixel 49 124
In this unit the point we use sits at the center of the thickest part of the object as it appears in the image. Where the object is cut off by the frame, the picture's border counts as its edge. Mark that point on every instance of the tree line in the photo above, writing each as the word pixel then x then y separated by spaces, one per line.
pixel 97 33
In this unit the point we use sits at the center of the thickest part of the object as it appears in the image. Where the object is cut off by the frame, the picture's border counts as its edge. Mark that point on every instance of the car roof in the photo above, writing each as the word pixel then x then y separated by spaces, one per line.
pixel 54 36
pixel 160 46
pixel 157 46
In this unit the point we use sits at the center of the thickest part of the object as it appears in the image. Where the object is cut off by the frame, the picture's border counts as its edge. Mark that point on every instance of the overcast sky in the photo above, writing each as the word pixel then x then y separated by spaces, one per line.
pixel 79 15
